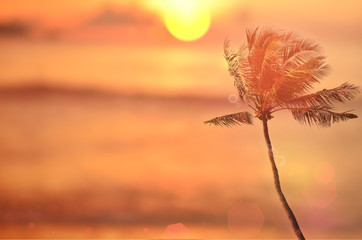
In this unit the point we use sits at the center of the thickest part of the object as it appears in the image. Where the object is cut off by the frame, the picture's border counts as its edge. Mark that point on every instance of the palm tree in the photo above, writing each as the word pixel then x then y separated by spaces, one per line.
pixel 275 71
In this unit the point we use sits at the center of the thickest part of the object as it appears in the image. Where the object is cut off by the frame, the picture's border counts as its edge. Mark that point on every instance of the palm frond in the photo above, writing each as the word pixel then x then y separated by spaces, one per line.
pixel 305 74
pixel 321 116
pixel 232 119
pixel 326 97
pixel 233 60
pixel 270 66
pixel 250 36
pixel 297 49
pixel 263 61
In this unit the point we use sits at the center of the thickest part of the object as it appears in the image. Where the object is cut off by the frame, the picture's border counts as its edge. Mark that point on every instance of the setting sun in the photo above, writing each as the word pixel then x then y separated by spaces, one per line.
pixel 185 20
pixel 188 26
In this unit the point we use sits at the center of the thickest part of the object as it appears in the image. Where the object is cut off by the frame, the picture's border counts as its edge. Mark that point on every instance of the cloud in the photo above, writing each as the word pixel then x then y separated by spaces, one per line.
pixel 110 17
pixel 125 16
pixel 127 24
pixel 109 23
pixel 14 28
pixel 26 29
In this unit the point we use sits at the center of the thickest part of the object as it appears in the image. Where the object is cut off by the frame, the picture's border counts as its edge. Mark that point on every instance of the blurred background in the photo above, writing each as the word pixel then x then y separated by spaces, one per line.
pixel 102 106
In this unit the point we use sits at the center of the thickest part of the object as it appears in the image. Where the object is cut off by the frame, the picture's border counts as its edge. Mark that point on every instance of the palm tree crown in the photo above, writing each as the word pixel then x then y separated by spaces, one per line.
pixel 275 71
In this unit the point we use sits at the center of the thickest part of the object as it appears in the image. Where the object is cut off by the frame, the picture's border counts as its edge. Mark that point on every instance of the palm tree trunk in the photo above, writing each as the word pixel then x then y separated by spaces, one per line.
pixel 290 214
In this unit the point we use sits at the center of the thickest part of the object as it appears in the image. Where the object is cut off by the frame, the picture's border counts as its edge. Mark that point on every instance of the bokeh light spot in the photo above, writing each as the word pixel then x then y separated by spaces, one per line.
pixel 176 231
pixel 245 219
pixel 280 160
pixel 233 98
pixel 321 194
pixel 31 225
pixel 324 172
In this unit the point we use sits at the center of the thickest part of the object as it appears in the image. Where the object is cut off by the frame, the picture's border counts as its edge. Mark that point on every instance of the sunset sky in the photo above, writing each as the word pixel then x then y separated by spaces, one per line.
pixel 113 44
pixel 101 133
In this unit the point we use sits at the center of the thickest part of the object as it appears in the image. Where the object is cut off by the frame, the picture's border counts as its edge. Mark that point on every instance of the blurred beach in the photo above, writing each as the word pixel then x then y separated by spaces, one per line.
pixel 102 133
pixel 98 165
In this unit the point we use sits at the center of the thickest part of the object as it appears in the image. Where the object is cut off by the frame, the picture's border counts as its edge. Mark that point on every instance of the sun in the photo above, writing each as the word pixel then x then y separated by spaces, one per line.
pixel 188 24
pixel 186 20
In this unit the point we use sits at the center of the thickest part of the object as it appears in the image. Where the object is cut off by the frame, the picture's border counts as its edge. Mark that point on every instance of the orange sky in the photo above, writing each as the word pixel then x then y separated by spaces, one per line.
pixel 150 158
pixel 113 44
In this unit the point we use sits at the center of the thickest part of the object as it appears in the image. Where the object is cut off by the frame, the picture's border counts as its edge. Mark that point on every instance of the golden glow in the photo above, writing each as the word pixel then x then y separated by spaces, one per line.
pixel 188 26
pixel 145 154
pixel 186 20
